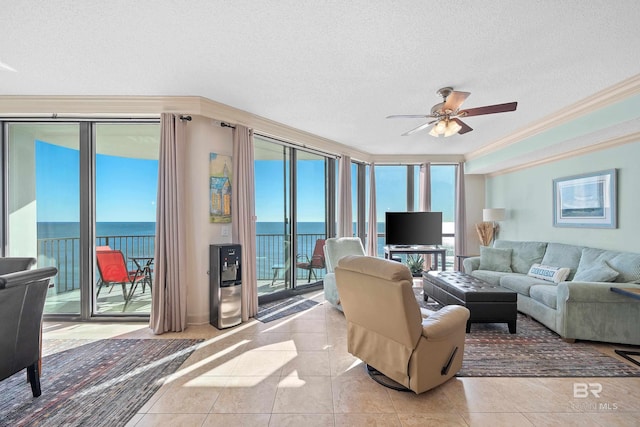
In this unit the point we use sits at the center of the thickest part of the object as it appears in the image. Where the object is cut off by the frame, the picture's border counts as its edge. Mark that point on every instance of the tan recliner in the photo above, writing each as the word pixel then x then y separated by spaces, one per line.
pixel 387 330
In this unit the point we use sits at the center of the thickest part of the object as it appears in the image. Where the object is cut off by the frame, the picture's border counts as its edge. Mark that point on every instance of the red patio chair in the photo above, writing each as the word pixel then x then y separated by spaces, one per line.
pixel 113 271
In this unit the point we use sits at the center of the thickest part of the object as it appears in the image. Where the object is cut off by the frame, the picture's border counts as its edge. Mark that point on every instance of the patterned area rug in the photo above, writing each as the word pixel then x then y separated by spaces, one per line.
pixel 534 351
pixel 98 383
pixel 278 309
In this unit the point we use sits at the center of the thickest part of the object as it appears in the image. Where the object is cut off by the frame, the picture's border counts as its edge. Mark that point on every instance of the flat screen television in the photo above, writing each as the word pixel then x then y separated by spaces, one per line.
pixel 413 228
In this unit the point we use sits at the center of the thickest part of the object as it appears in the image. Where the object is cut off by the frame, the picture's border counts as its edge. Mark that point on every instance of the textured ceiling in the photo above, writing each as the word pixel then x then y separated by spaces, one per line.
pixel 332 68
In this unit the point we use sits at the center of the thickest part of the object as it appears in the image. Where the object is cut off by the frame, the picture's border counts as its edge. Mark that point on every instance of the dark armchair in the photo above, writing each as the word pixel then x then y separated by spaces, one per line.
pixel 22 296
pixel 13 264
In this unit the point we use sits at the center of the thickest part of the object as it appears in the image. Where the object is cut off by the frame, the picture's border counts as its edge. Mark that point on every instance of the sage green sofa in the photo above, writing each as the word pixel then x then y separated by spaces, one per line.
pixel 580 306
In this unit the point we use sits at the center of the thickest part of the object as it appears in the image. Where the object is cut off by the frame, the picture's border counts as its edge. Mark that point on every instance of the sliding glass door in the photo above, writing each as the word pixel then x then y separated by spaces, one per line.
pixel 273 227
pixel 126 189
pixel 291 206
pixel 311 217
pixel 43 211
pixel 74 189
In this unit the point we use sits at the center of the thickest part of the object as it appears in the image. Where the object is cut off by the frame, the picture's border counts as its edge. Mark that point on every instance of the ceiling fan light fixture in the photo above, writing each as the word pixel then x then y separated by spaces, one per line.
pixel 434 132
pixel 441 127
pixel 452 128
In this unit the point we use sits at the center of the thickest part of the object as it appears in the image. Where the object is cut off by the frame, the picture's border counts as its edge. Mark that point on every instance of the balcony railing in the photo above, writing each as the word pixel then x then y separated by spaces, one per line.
pixel 64 254
pixel 271 254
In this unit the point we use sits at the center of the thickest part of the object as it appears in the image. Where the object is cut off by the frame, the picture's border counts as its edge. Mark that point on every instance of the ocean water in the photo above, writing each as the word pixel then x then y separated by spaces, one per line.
pixel 48 230
pixel 59 245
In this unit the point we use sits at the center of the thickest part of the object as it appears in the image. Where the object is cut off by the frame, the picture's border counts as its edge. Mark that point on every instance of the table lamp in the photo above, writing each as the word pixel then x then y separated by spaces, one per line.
pixel 493 215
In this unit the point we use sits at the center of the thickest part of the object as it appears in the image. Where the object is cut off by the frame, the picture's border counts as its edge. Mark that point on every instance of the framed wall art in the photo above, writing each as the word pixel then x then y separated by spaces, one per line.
pixel 587 200
pixel 220 180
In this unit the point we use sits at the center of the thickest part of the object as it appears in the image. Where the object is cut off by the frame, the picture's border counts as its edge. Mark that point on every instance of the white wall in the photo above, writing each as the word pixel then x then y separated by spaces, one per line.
pixel 527 196
pixel 204 137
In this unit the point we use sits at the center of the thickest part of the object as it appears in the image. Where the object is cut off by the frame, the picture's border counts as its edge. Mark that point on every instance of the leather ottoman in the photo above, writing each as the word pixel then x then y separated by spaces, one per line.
pixel 487 303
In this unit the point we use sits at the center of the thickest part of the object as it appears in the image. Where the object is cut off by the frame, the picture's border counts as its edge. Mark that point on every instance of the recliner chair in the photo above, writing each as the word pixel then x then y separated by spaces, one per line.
pixel 386 329
pixel 334 249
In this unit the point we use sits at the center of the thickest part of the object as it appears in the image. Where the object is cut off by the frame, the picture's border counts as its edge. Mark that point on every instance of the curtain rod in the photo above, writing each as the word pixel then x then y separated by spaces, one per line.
pixel 187 118
pixel 227 125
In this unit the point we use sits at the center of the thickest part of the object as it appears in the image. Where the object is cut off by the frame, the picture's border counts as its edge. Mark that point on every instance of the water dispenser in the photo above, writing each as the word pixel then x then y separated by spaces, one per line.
pixel 225 285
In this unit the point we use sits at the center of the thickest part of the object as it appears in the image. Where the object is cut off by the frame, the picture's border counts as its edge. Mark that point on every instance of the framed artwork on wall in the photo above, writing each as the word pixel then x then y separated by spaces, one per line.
pixel 220 180
pixel 587 200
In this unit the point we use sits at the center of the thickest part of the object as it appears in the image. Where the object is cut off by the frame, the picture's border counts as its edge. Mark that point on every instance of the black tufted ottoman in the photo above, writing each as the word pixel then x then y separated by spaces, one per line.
pixel 486 302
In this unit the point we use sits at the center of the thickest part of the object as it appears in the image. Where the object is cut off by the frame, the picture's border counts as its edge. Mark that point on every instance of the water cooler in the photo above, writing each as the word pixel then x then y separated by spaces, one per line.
pixel 225 285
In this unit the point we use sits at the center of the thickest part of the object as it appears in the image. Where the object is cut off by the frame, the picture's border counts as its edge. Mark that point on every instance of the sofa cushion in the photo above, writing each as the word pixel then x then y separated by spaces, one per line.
pixel 564 255
pixel 549 273
pixel 523 255
pixel 600 272
pixel 520 283
pixel 495 259
pixel 492 277
pixel 626 263
pixel 546 294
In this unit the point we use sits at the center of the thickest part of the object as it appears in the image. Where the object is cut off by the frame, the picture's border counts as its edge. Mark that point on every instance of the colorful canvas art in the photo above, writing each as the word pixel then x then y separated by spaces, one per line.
pixel 220 188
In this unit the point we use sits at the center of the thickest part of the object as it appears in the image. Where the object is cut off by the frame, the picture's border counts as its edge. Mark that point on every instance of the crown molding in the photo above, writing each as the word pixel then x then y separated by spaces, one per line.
pixel 144 106
pixel 608 96
pixel 614 142
pixel 415 159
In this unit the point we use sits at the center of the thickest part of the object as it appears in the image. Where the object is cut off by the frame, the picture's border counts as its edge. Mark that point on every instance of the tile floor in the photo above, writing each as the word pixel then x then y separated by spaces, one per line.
pixel 296 372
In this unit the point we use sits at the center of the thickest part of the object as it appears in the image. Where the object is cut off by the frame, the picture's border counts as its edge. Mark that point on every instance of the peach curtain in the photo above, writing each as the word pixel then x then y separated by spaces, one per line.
pixel 169 294
pixel 372 229
pixel 425 187
pixel 345 215
pixel 460 214
pixel 244 217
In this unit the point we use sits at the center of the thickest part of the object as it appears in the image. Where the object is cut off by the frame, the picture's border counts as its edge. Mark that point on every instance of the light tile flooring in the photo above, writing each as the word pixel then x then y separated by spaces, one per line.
pixel 296 372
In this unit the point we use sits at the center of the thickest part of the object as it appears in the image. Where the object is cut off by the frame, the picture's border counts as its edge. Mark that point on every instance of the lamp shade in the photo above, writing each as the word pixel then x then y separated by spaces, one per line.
pixel 493 214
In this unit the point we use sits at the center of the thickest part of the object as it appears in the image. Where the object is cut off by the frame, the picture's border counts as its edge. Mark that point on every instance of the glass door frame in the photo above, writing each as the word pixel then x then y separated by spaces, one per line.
pixel 290 171
pixel 87 213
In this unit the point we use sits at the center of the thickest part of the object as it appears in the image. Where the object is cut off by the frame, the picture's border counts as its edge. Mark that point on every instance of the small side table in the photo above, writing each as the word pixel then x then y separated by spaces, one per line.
pixel 460 259
pixel 631 293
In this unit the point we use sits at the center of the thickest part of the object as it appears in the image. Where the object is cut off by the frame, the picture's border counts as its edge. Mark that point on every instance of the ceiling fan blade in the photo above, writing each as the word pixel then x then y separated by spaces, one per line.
pixel 409 116
pixel 455 100
pixel 465 127
pixel 419 128
pixel 489 109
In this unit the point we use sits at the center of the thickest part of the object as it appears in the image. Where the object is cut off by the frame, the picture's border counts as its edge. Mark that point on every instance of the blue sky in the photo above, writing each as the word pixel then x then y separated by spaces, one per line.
pixel 270 194
pixel 390 188
pixel 125 188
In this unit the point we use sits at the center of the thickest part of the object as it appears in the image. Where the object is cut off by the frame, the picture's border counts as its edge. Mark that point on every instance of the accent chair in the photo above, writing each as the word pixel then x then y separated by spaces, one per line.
pixel 334 249
pixel 386 328
pixel 22 296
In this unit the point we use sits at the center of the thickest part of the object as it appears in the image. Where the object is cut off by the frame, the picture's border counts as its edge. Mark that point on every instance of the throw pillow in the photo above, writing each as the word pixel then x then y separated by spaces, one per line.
pixel 600 272
pixel 494 259
pixel 548 273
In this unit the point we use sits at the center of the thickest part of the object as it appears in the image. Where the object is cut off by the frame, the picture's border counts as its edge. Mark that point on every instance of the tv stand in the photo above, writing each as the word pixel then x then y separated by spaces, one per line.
pixel 429 250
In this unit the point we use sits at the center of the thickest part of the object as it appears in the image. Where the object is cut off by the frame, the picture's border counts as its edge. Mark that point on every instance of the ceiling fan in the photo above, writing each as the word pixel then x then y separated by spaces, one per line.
pixel 447 114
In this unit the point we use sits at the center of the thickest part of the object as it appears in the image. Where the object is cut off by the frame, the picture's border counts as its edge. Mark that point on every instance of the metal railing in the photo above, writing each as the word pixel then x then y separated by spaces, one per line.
pixel 64 254
pixel 271 255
